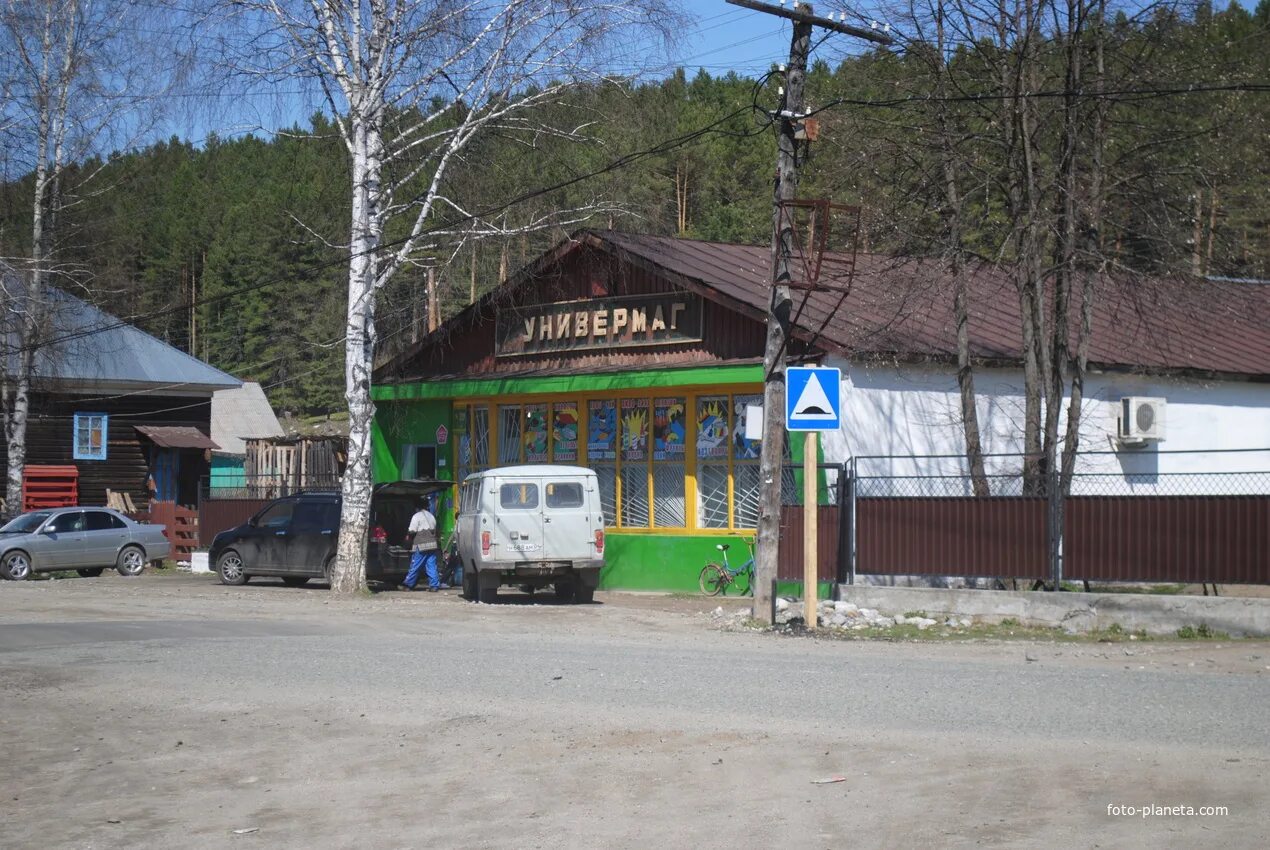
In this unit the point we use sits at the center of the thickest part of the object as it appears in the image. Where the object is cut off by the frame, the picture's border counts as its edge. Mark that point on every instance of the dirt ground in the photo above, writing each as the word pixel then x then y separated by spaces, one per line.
pixel 168 711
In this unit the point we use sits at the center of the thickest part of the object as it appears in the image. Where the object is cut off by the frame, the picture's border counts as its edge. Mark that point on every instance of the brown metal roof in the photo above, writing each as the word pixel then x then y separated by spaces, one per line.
pixel 177 436
pixel 903 308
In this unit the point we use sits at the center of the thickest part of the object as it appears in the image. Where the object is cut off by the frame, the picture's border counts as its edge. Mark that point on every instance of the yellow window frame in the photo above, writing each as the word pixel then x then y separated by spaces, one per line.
pixel 580 399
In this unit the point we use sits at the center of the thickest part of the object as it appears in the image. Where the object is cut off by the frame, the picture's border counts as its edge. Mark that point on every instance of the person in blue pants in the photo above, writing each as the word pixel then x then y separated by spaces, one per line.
pixel 423 550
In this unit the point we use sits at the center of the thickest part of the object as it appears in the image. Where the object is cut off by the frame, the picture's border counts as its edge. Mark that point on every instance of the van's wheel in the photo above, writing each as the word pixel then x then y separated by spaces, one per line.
pixel 564 590
pixel 583 594
pixel 131 561
pixel 230 568
pixel 91 572
pixel 469 585
pixel 487 586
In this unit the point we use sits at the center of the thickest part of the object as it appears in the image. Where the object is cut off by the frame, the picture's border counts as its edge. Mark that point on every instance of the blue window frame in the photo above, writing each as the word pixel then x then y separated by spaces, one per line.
pixel 90 436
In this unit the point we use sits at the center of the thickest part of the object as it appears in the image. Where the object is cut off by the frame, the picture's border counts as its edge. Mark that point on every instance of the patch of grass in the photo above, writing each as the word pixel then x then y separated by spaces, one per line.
pixel 1154 589
pixel 1201 632
pixel 921 614
pixel 1009 621
pixel 977 631
pixel 1116 633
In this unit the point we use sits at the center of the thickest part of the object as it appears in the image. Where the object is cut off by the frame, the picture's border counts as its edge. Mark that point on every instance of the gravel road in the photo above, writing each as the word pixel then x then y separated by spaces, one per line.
pixel 168 711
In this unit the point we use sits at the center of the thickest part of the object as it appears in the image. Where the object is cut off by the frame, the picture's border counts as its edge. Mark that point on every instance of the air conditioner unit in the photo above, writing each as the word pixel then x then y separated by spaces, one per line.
pixel 1141 421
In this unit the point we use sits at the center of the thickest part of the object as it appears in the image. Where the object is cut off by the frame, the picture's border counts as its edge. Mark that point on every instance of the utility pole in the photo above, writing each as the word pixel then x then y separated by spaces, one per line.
pixel 789 120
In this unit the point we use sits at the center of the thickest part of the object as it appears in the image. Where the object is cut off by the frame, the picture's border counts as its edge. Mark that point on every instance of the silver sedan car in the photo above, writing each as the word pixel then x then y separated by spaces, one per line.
pixel 84 539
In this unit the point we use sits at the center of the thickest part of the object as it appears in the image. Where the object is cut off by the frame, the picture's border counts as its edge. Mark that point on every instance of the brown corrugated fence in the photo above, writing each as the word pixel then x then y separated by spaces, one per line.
pixel 1218 539
pixel 790 558
pixel 999 536
pixel 217 515
pixel 1215 539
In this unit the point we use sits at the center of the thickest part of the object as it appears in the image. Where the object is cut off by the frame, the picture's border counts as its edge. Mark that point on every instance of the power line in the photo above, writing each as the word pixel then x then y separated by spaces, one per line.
pixel 1126 94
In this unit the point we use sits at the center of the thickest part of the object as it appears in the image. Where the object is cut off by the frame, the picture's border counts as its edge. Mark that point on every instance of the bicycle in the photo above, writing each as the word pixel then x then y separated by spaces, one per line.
pixel 716 578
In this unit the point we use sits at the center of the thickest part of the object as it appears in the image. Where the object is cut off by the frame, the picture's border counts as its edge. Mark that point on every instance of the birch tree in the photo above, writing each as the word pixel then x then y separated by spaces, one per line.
pixel 410 86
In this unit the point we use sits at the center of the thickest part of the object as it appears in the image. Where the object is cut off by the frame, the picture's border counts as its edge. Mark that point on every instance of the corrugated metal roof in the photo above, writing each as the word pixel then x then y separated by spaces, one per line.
pixel 903 307
pixel 176 436
pixel 242 414
pixel 91 348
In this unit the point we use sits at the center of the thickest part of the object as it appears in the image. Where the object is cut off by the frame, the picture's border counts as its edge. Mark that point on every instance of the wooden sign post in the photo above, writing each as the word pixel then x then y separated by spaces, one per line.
pixel 811 558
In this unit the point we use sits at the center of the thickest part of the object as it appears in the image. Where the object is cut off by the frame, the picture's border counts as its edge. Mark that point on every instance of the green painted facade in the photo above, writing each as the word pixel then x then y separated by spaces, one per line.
pixel 648 379
pixel 411 413
pixel 663 561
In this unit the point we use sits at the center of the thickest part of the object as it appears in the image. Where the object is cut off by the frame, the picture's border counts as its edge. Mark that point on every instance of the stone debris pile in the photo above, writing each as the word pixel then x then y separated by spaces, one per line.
pixel 848 615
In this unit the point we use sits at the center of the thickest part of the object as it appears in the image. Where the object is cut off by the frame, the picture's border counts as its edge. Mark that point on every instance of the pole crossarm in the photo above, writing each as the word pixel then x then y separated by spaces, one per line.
pixel 797 15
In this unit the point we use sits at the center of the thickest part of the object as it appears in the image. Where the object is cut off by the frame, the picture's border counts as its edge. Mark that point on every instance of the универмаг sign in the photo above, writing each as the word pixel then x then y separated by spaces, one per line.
pixel 598 323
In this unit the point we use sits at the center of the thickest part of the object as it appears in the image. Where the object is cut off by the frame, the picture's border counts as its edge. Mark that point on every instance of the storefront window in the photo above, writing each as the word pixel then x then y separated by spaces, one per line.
pixel 508 434
pixel 601 449
pixel 712 461
pixel 745 458
pixel 638 448
pixel 462 443
pixel 479 423
pixel 634 440
pixel 564 432
pixel 670 433
pixel 535 433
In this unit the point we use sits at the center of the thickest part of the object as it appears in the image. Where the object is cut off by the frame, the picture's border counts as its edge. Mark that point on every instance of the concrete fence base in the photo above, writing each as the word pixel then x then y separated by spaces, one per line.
pixel 1075 612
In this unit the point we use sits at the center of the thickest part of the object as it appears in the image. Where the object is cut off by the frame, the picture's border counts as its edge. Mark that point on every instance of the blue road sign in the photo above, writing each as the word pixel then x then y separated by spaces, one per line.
pixel 813 398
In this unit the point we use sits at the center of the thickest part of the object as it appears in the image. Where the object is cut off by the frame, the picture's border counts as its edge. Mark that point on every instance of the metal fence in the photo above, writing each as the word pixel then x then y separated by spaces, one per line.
pixel 1175 516
pixel 228 503
pixel 1222 472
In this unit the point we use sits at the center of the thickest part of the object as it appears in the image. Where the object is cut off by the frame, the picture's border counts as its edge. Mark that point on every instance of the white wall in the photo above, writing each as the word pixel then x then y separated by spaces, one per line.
pixel 911 411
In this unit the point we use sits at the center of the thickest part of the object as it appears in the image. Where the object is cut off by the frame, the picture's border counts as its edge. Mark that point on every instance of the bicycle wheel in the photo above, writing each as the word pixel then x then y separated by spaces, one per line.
pixel 713 579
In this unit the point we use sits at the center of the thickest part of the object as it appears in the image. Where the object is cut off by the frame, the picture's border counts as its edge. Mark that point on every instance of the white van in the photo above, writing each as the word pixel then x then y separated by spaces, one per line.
pixel 531 526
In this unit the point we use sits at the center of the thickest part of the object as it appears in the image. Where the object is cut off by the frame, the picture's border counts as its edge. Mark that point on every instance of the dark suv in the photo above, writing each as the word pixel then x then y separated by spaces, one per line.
pixel 295 537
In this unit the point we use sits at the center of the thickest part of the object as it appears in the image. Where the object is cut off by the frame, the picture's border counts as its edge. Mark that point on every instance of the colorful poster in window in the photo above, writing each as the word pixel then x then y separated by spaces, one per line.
pixel 712 427
pixel 601 429
pixel 634 429
pixel 742 406
pixel 670 428
pixel 564 432
pixel 535 433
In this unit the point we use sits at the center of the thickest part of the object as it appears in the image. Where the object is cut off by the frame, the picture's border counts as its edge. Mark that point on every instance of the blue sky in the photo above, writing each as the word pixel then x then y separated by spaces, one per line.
pixel 731 38
pixel 722 38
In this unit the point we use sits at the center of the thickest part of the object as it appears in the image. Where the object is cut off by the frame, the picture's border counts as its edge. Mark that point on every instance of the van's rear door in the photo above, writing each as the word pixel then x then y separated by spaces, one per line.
pixel 566 518
pixel 518 519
